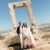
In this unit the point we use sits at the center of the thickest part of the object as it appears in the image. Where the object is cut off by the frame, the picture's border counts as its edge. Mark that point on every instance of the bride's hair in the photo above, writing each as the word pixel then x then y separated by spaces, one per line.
pixel 25 24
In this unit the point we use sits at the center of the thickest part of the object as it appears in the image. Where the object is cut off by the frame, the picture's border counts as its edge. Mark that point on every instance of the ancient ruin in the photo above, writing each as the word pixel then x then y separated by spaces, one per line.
pixel 42 38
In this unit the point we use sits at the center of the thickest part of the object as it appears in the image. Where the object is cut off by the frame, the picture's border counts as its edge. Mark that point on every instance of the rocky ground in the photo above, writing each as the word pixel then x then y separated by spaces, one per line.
pixel 11 41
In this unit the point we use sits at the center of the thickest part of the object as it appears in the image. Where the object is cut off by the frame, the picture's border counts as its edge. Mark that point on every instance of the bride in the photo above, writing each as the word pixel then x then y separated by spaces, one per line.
pixel 29 41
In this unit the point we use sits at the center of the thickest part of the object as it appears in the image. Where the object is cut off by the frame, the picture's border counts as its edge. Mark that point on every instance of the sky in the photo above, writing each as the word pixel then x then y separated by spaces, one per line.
pixel 40 10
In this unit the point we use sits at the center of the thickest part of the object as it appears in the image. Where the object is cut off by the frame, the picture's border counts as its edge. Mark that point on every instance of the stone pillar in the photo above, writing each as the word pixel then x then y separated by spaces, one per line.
pixel 29 9
pixel 13 17
pixel 31 17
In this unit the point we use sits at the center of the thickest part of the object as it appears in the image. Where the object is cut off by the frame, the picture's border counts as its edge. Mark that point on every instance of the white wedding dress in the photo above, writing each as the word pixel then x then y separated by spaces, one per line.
pixel 28 37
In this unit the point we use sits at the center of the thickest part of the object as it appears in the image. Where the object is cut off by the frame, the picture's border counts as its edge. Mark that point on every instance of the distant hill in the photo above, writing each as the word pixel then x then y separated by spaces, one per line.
pixel 45 27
